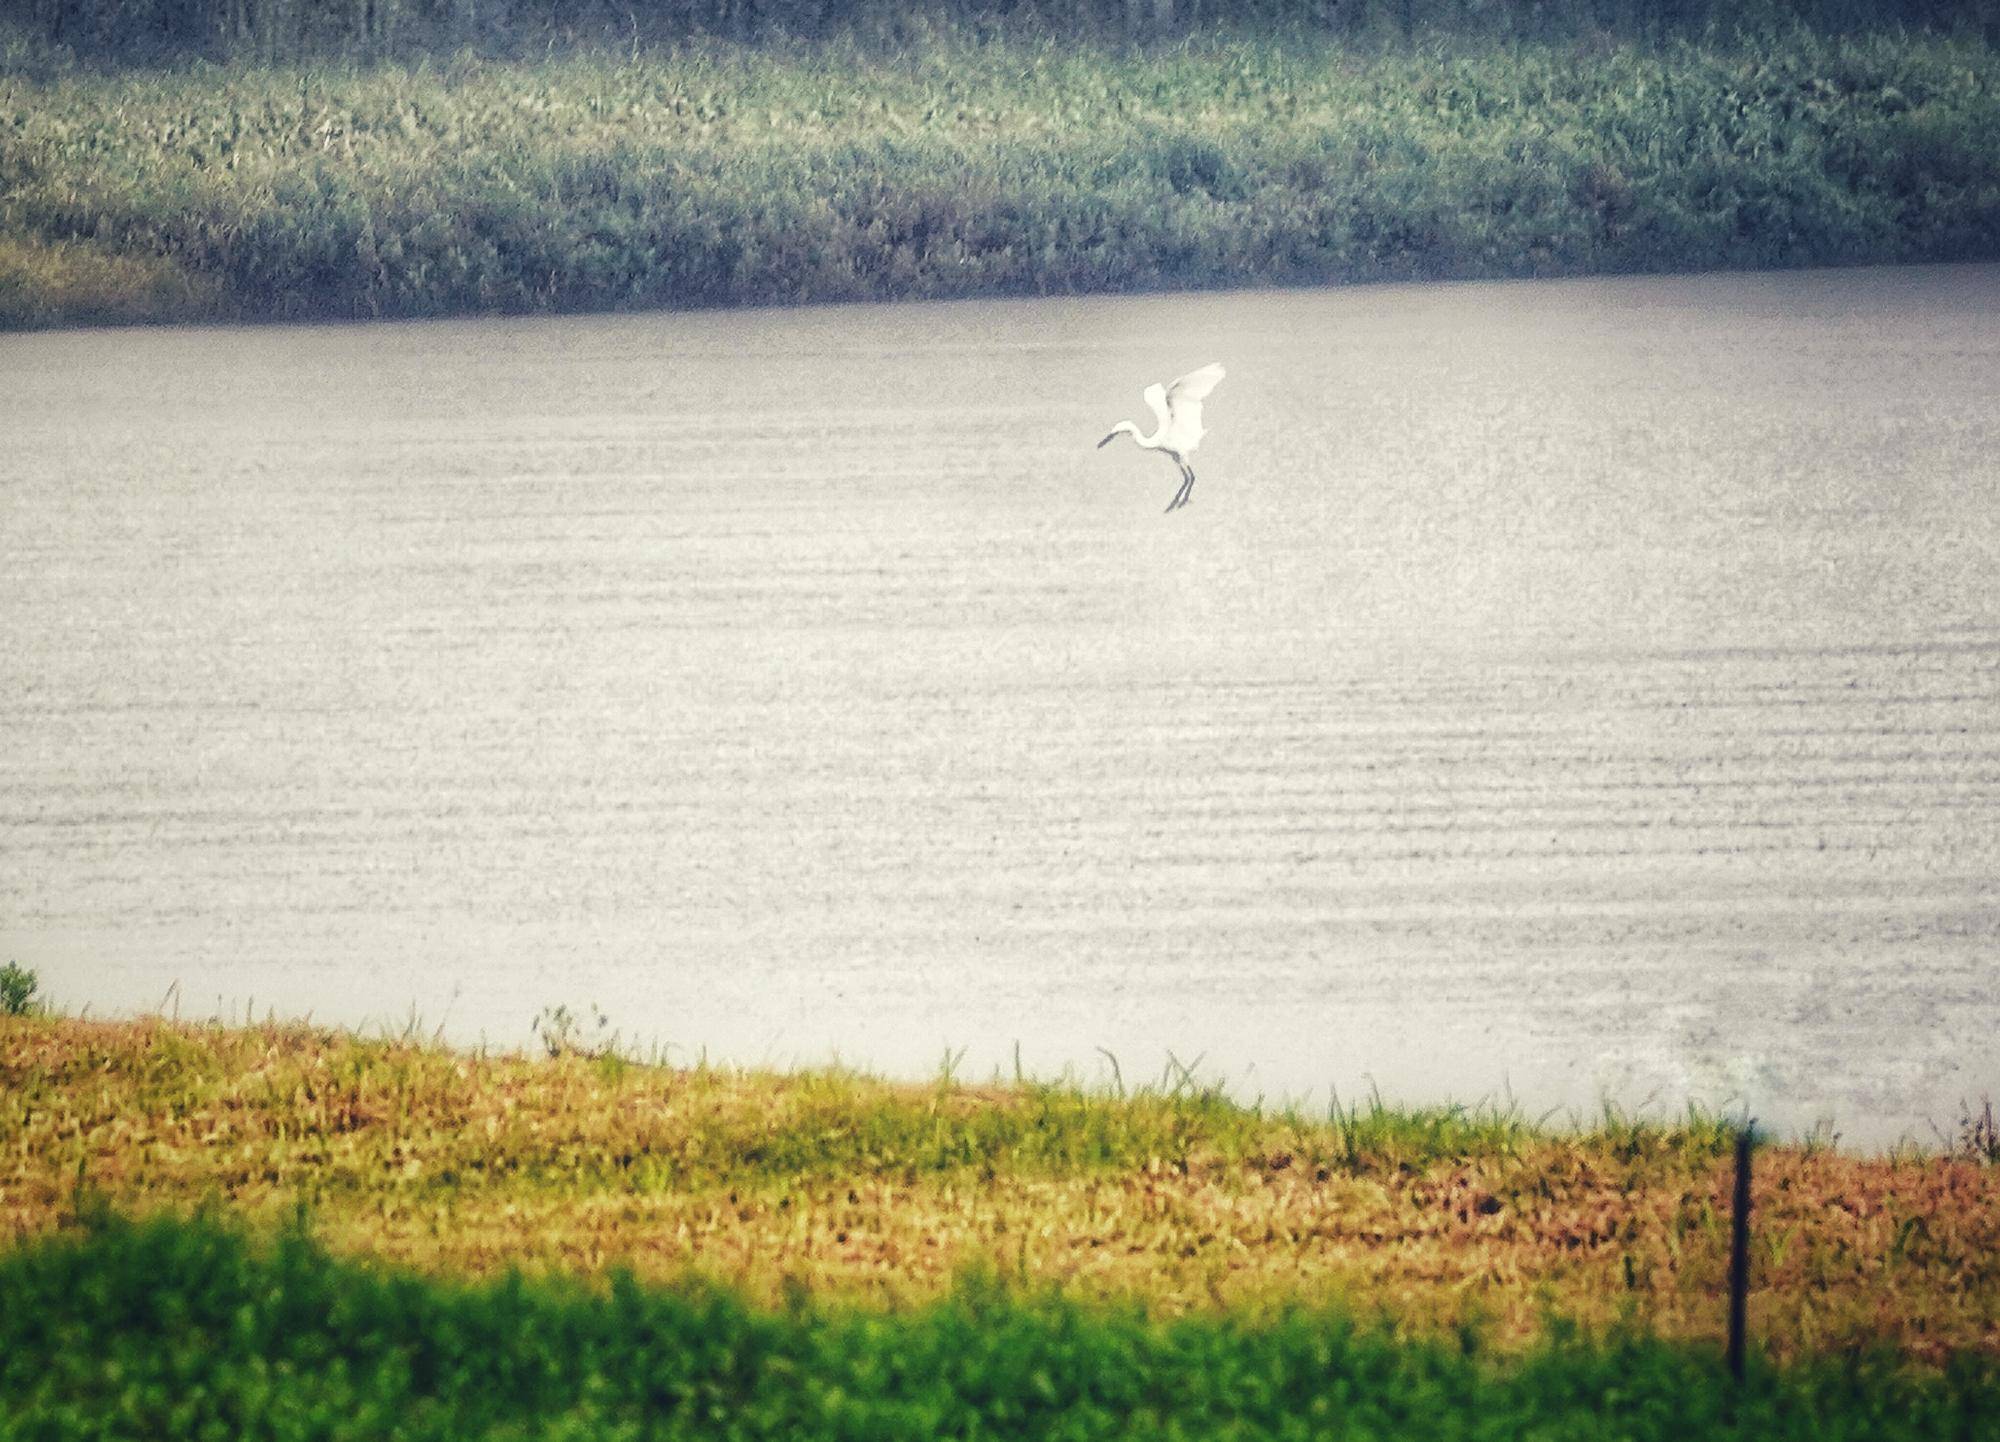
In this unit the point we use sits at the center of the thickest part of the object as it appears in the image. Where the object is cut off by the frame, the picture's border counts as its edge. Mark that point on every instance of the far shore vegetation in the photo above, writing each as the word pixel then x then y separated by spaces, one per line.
pixel 289 159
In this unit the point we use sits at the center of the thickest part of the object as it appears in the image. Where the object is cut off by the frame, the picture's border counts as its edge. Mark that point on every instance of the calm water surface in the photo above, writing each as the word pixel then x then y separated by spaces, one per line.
pixel 1553 690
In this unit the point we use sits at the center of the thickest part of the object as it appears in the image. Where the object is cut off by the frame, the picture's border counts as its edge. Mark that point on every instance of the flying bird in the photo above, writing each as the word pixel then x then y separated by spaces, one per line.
pixel 1178 408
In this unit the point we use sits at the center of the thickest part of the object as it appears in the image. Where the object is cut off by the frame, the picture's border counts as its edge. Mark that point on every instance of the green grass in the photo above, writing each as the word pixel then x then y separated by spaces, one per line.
pixel 712 174
pixel 628 1122
pixel 183 1329
pixel 878 1193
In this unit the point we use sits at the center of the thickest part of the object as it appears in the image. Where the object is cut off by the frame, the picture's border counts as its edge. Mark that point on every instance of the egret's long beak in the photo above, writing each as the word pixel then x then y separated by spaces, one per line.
pixel 1107 440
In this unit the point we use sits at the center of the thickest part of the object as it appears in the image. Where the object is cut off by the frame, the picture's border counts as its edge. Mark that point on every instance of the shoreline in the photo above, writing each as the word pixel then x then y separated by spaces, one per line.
pixel 1117 1075
pixel 723 312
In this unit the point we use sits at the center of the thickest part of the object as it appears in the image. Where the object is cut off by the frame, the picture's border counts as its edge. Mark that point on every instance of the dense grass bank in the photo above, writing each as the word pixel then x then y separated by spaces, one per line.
pixel 292 30
pixel 713 174
pixel 180 1330
pixel 860 1191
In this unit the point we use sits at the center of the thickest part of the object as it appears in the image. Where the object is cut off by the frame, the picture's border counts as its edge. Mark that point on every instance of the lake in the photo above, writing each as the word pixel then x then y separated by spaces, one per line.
pixel 1554 691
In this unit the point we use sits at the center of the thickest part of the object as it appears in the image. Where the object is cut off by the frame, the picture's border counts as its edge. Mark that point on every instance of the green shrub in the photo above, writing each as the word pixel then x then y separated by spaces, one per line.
pixel 17 989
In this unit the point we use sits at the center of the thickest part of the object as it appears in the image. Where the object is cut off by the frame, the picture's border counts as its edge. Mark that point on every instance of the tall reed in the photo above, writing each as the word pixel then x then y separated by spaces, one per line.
pixel 710 173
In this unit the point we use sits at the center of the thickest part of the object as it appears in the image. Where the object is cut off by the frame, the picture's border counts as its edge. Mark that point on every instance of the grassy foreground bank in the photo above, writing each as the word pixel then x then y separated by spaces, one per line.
pixel 863 1193
pixel 176 1330
pixel 711 173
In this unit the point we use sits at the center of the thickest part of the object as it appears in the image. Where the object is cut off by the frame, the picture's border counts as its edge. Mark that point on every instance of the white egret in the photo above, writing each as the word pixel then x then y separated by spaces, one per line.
pixel 1178 408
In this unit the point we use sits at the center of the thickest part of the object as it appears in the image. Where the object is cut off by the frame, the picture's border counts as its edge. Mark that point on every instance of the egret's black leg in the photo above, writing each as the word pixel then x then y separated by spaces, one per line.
pixel 1181 496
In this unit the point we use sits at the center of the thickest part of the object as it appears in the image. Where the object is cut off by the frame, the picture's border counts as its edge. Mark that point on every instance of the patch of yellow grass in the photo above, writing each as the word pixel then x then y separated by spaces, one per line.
pixel 75 282
pixel 457 1163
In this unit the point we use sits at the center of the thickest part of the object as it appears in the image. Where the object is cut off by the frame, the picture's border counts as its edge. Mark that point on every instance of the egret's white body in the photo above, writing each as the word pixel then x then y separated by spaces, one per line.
pixel 1178 409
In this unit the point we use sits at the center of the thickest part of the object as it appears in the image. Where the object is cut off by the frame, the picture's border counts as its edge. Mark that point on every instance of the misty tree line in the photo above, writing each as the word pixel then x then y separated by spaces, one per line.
pixel 288 29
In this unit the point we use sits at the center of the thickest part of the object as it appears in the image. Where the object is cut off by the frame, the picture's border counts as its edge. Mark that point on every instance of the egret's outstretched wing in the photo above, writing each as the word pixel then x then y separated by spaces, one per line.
pixel 1156 397
pixel 1194 386
pixel 1184 398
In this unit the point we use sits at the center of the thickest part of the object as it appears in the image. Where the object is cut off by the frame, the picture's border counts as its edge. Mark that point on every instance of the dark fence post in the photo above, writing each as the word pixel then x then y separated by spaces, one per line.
pixel 1739 1251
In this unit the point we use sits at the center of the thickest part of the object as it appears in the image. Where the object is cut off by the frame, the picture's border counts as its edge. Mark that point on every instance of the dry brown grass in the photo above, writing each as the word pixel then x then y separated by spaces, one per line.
pixel 868 1190
pixel 74 282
